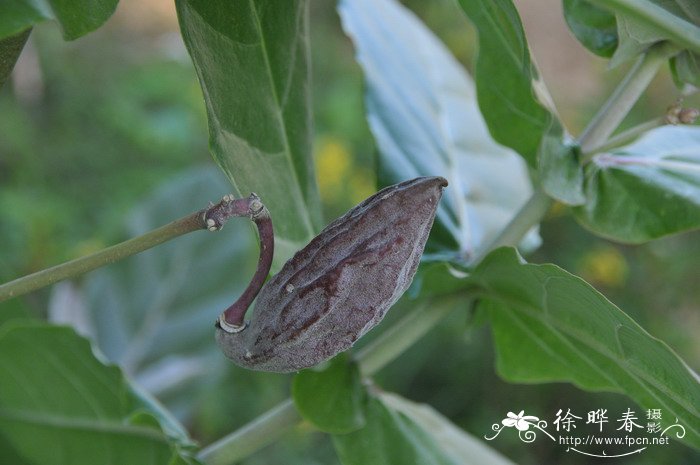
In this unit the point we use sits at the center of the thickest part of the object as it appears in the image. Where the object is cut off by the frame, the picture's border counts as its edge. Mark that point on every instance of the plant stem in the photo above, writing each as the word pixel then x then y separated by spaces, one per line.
pixel 529 215
pixel 624 97
pixel 681 31
pixel 79 266
pixel 260 432
pixel 624 138
pixel 212 218
pixel 402 335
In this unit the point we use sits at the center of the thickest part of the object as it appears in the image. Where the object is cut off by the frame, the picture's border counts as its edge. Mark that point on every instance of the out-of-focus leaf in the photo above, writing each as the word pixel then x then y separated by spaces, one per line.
pixel 399 432
pixel 422 110
pixel 14 309
pixel 153 314
pixel 10 48
pixel 461 447
pixel 686 68
pixel 594 27
pixel 75 18
pixel 506 77
pixel 331 399
pixel 550 325
pixel 646 190
pixel 55 393
pixel 252 61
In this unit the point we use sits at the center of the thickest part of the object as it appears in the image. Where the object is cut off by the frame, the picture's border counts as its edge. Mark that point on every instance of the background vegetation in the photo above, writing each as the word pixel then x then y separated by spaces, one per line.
pixel 105 137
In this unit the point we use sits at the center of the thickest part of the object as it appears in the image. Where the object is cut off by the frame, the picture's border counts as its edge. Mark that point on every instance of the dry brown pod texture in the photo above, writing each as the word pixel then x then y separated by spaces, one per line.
pixel 341 284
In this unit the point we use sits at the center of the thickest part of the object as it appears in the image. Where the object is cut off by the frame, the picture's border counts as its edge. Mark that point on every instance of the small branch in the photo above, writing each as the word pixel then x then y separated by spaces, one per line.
pixel 679 30
pixel 252 437
pixel 624 97
pixel 212 218
pixel 529 215
pixel 104 257
pixel 624 138
pixel 404 333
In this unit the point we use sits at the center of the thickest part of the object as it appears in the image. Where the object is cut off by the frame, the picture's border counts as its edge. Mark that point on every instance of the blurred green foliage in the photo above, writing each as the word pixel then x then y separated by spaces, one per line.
pixel 88 128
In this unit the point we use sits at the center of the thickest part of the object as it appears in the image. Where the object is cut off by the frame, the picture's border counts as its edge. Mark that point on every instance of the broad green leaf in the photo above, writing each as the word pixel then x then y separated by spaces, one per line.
pixel 331 398
pixel 421 107
pixel 550 325
pixel 505 78
pixel 10 48
pixel 153 314
pixel 252 61
pixel 55 393
pixel 516 104
pixel 594 27
pixel 404 433
pixel 75 18
pixel 560 170
pixel 646 190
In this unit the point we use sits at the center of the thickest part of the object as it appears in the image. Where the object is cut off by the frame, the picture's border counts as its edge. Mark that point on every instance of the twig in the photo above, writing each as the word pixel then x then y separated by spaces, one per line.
pixel 212 218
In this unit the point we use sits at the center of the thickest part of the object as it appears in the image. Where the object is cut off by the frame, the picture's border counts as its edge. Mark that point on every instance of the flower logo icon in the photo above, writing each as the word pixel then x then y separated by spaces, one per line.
pixel 520 421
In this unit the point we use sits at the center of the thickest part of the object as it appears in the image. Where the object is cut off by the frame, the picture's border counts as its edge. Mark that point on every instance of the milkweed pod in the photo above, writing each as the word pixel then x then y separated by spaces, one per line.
pixel 341 284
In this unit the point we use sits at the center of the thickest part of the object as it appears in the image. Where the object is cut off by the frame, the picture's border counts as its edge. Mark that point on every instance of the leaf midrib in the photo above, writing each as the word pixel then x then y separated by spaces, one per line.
pixel 81 424
pixel 280 117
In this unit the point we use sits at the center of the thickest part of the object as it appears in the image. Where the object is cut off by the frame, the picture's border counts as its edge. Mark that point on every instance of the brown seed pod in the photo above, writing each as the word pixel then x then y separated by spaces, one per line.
pixel 341 284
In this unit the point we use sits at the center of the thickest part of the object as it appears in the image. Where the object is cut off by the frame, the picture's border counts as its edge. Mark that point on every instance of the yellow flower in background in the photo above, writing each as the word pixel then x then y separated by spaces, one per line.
pixel 333 160
pixel 604 265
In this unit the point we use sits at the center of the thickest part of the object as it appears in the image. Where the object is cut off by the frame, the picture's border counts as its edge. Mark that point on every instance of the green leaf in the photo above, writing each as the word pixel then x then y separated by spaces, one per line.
pixel 252 61
pixel 594 27
pixel 55 393
pixel 461 447
pixel 436 279
pixel 427 122
pixel 403 433
pixel 560 170
pixel 686 68
pixel 10 48
pixel 646 190
pixel 153 314
pixel 75 18
pixel 550 325
pixel 506 79
pixel 331 398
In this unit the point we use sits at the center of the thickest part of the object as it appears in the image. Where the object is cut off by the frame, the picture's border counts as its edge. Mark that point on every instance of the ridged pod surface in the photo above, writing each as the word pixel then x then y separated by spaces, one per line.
pixel 341 284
